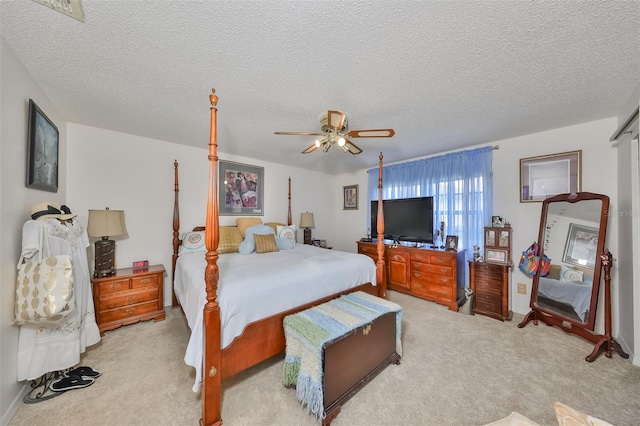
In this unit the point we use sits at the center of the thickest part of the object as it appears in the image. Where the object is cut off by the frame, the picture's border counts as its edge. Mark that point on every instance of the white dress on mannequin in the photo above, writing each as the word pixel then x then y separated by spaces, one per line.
pixel 57 346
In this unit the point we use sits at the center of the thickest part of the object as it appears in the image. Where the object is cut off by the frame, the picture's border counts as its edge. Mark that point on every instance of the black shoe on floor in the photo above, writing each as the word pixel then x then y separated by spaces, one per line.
pixel 70 382
pixel 85 372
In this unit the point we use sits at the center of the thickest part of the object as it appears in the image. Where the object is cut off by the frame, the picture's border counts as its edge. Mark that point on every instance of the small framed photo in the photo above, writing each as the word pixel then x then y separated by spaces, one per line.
pixel 42 151
pixel 497 221
pixel 548 175
pixel 496 256
pixel 504 238
pixel 451 243
pixel 350 197
pixel 581 246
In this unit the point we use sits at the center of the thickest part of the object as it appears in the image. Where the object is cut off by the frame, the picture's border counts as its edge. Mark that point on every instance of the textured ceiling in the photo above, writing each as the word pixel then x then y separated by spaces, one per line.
pixel 444 75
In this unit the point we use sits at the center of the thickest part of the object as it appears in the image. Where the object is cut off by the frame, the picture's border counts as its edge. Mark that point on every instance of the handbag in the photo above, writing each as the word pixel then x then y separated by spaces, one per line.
pixel 530 261
pixel 44 289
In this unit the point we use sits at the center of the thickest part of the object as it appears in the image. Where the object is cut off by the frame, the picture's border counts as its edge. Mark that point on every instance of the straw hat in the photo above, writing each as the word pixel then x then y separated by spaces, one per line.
pixel 53 210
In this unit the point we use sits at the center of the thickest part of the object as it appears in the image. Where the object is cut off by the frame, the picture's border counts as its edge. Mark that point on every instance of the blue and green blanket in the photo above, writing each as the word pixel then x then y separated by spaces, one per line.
pixel 308 331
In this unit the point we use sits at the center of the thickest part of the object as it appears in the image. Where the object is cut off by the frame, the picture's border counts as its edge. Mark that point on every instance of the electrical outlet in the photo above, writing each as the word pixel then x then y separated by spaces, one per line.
pixel 522 288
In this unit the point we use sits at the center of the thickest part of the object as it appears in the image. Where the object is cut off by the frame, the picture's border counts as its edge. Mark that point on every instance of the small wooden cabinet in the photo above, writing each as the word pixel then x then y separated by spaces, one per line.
pixel 490 285
pixel 128 297
pixel 431 274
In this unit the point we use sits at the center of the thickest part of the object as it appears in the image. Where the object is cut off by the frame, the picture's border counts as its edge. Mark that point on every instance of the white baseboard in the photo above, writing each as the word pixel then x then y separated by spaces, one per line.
pixel 4 421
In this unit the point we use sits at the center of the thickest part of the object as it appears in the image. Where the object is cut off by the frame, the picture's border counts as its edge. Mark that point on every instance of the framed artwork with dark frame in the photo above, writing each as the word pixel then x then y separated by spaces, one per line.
pixel 350 197
pixel 548 175
pixel 240 189
pixel 451 243
pixel 42 151
pixel 581 246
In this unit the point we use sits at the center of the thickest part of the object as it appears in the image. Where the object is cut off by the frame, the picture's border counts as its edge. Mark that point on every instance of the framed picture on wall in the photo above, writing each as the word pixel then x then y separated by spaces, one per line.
pixel 350 197
pixel 240 189
pixel 42 151
pixel 548 175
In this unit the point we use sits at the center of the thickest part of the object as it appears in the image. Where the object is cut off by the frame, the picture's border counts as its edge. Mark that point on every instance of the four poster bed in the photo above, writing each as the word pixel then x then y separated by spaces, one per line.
pixel 214 350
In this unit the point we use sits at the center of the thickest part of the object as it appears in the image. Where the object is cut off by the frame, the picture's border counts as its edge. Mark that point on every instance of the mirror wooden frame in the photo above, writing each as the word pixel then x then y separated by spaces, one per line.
pixel 603 259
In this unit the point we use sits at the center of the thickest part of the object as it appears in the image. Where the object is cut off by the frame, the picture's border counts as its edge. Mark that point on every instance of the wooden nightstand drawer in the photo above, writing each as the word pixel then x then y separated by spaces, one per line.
pixel 489 297
pixel 487 306
pixel 128 311
pixel 144 281
pixel 114 286
pixel 128 297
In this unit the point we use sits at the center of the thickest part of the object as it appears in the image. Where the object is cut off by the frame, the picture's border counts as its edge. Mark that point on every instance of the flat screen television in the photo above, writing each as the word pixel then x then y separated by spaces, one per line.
pixel 405 219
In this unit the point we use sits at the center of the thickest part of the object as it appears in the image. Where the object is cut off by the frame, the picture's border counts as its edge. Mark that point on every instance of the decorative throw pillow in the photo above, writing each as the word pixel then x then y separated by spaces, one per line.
pixel 248 245
pixel 554 272
pixel 275 225
pixel 192 242
pixel 287 232
pixel 571 275
pixel 567 416
pixel 265 243
pixel 243 223
pixel 230 239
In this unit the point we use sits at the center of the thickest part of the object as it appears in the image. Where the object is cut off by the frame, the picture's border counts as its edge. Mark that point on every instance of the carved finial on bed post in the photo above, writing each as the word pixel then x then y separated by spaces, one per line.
pixel 381 281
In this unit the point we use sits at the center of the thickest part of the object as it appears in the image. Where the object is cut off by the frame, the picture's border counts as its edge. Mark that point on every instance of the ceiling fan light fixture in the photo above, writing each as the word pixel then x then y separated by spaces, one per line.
pixel 317 143
pixel 341 141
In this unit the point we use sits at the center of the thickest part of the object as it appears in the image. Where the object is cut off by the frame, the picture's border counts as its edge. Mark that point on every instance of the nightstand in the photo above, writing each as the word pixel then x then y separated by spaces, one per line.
pixel 490 285
pixel 128 297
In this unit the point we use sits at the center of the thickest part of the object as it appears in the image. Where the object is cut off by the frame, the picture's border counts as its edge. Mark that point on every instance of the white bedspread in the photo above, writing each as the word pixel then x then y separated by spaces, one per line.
pixel 255 286
pixel 576 295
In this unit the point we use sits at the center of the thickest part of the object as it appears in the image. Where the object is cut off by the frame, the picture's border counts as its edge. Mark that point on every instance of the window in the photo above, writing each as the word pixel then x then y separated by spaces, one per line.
pixel 460 183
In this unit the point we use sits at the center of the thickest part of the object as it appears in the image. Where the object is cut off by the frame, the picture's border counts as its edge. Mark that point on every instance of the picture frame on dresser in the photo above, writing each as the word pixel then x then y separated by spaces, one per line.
pixel 498 256
pixel 451 243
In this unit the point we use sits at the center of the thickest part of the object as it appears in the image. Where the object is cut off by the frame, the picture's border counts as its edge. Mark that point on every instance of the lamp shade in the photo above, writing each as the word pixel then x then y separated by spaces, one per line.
pixel 306 220
pixel 106 223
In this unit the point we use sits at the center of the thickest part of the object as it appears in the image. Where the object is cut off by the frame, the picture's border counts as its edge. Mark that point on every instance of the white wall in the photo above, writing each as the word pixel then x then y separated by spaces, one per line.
pixel 16 87
pixel 136 174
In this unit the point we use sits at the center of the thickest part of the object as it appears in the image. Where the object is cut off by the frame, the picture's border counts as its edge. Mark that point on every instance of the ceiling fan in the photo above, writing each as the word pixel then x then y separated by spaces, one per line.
pixel 334 131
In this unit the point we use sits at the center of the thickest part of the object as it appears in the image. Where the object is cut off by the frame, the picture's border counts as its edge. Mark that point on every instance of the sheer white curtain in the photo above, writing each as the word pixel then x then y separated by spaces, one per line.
pixel 460 182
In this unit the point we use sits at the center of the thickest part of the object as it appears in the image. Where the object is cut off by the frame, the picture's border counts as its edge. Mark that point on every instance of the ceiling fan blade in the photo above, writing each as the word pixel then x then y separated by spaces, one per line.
pixel 374 133
pixel 335 119
pixel 310 149
pixel 351 147
pixel 299 133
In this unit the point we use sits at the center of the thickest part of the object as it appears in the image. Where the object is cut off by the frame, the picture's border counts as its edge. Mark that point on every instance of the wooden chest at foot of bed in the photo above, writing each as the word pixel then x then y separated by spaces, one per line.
pixel 348 357
pixel 354 359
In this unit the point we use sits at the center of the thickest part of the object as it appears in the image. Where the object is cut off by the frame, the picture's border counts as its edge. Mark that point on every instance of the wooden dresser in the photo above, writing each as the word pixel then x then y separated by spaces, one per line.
pixel 490 285
pixel 128 297
pixel 431 274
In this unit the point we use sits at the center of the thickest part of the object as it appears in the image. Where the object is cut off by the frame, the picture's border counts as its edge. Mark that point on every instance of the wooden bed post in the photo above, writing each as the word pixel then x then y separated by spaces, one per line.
pixel 212 379
pixel 289 221
pixel 380 269
pixel 176 230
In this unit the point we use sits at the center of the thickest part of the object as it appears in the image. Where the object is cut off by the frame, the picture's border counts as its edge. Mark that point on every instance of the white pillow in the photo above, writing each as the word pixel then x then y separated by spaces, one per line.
pixel 570 275
pixel 192 242
pixel 288 232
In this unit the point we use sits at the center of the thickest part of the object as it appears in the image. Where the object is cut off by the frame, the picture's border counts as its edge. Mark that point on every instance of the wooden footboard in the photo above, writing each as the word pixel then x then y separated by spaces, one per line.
pixel 260 340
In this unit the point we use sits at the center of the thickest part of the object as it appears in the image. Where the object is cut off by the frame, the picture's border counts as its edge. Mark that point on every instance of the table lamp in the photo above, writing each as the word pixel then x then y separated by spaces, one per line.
pixel 306 222
pixel 104 224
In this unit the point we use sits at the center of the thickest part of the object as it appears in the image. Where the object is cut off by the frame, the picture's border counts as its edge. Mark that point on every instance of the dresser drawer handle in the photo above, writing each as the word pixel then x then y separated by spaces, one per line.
pixel 417 274
pixel 444 280
pixel 116 286
pixel 440 261
pixel 417 285
pixel 131 300
pixel 444 270
pixel 443 291
pixel 131 310
pixel 145 281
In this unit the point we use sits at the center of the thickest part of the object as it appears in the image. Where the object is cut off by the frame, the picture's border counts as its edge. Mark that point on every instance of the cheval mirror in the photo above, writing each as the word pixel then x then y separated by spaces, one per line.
pixel 572 233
